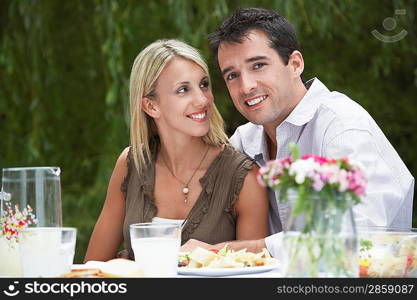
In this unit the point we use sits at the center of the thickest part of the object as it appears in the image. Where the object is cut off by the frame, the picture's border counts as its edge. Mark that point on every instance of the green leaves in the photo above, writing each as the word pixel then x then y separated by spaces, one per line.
pixel 294 150
pixel 365 245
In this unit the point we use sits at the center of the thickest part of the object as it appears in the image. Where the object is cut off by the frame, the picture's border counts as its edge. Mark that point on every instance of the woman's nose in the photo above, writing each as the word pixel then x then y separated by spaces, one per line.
pixel 201 99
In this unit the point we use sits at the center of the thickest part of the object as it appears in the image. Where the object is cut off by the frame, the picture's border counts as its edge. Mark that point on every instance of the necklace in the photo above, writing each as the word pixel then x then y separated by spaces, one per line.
pixel 186 189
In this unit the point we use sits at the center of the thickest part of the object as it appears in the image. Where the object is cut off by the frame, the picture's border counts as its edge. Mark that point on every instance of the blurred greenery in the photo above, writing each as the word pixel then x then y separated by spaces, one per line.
pixel 64 71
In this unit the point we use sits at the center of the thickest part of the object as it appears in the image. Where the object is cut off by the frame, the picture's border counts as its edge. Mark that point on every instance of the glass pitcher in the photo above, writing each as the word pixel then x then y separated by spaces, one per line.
pixel 38 187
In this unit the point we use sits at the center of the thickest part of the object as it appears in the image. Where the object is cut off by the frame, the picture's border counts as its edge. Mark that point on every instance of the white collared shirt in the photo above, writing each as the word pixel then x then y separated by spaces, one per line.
pixel 330 124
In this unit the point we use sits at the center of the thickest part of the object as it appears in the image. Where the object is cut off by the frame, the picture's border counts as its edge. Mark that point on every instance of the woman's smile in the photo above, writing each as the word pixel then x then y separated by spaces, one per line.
pixel 200 116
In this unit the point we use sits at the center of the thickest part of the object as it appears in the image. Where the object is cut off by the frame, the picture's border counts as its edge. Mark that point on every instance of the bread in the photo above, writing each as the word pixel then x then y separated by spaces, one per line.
pixel 202 256
pixel 121 267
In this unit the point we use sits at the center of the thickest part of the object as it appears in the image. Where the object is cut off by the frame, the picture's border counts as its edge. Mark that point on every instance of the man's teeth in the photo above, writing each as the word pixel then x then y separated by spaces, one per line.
pixel 256 100
pixel 198 116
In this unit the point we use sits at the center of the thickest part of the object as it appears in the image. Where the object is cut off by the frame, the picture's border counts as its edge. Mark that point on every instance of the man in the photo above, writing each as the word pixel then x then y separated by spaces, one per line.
pixel 259 58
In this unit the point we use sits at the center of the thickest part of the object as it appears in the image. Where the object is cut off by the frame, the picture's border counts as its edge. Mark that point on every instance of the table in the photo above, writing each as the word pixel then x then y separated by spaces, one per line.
pixel 275 273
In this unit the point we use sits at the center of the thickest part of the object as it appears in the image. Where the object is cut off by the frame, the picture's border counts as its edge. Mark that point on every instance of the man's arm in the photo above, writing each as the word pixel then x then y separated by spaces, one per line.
pixel 389 192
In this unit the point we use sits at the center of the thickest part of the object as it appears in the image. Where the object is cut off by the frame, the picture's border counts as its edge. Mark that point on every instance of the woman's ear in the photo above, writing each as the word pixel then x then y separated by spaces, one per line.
pixel 150 107
pixel 296 63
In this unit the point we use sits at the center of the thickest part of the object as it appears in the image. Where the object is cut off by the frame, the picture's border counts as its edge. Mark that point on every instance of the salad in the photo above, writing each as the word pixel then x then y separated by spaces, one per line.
pixel 224 258
pixel 388 254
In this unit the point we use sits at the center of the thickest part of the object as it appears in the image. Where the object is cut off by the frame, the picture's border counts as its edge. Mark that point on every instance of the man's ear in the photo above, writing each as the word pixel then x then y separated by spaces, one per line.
pixel 296 63
pixel 150 107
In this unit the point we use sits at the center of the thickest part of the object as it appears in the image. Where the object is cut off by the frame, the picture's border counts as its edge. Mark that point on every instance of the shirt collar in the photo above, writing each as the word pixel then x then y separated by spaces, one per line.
pixel 254 141
pixel 253 137
pixel 307 107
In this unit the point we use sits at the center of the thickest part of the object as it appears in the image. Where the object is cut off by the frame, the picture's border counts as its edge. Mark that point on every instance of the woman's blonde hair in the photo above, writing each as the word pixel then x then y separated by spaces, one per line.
pixel 146 69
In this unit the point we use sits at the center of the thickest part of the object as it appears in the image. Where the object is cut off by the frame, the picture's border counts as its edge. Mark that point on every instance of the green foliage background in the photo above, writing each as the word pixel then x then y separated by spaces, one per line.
pixel 64 70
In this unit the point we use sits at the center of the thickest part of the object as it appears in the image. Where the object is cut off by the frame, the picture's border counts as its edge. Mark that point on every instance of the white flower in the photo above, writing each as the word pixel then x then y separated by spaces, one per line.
pixel 303 168
pixel 329 172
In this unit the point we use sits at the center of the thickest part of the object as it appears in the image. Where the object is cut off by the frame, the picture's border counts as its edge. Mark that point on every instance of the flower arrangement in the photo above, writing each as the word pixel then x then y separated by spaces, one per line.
pixel 13 221
pixel 340 181
pixel 320 236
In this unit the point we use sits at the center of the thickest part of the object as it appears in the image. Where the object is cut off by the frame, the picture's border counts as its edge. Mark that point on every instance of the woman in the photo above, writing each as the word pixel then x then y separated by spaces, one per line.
pixel 180 166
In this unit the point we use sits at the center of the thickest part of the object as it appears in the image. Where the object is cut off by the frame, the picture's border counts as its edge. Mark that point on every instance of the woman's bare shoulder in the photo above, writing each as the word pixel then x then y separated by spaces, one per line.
pixel 121 168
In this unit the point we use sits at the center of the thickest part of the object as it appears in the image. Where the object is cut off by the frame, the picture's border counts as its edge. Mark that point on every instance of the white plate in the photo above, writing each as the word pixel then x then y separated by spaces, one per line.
pixel 225 271
pixel 92 264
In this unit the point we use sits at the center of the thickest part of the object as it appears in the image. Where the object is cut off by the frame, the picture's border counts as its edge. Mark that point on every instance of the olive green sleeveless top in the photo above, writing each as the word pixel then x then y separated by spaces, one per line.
pixel 212 218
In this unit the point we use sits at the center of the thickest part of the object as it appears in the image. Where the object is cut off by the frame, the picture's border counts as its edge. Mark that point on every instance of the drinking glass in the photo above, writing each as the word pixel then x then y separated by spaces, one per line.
pixel 156 247
pixel 47 251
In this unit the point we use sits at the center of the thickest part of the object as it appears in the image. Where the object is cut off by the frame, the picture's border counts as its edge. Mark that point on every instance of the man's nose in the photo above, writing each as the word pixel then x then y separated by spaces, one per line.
pixel 248 84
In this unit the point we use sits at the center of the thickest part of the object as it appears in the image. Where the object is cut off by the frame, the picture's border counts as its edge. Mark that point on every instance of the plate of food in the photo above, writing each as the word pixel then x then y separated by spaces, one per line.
pixel 224 262
pixel 114 268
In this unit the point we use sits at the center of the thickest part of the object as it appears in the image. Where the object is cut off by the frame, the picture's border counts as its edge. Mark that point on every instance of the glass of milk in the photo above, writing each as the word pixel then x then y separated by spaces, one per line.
pixel 47 251
pixel 156 247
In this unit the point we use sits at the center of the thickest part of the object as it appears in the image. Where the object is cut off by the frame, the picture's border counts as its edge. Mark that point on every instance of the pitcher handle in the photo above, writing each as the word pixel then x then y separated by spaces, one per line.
pixel 55 171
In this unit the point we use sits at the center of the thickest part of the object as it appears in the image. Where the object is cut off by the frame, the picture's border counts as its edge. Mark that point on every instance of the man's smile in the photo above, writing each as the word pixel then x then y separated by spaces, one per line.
pixel 254 102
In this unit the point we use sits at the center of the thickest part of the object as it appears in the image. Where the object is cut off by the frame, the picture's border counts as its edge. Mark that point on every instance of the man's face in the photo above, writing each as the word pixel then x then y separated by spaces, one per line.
pixel 261 86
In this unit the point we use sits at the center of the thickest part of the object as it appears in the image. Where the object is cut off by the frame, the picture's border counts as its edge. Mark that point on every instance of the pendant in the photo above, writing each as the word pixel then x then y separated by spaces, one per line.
pixel 185 190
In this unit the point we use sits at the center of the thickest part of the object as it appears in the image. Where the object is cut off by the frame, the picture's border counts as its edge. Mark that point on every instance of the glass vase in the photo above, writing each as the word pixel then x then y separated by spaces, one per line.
pixel 321 241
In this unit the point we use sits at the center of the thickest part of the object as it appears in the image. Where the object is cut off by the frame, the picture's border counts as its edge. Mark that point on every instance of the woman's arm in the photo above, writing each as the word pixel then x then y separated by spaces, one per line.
pixel 252 209
pixel 108 231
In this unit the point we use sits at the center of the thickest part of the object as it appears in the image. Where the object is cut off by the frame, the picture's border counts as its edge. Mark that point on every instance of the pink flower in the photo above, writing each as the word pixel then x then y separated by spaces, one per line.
pixel 12 222
pixel 286 162
pixel 343 180
pixel 315 173
pixel 317 159
pixel 357 182
pixel 318 183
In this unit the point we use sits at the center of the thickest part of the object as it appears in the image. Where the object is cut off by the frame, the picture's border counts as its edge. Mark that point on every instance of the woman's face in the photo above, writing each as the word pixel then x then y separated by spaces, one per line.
pixel 184 99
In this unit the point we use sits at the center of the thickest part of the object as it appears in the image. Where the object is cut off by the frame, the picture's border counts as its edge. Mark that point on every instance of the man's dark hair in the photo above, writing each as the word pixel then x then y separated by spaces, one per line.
pixel 280 32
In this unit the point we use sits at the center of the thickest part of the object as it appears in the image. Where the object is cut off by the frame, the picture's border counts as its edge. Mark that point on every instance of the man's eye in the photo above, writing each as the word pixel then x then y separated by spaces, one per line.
pixel 231 76
pixel 258 65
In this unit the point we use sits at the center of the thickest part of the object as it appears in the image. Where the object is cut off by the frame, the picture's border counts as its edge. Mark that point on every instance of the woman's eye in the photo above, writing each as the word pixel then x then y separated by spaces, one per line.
pixel 258 65
pixel 182 90
pixel 231 76
pixel 204 84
